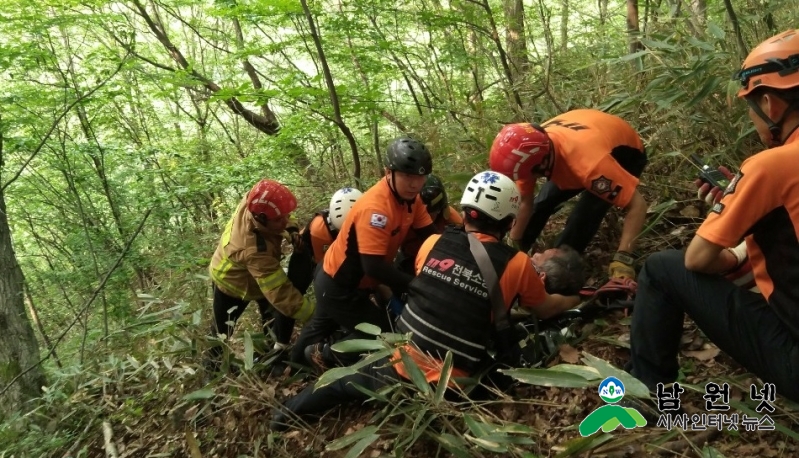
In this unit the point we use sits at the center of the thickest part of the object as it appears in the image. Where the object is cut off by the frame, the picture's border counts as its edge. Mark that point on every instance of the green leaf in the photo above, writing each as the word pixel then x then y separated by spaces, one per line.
pixel 546 377
pixel 655 44
pixel 357 345
pixel 349 439
pixel 711 452
pixel 334 374
pixel 248 351
pixel 662 207
pixel 588 373
pixel 486 444
pixel 204 393
pixel 479 429
pixel 717 32
pixel 632 385
pixel 368 328
pixel 453 444
pixel 632 56
pixel 582 444
pixel 443 381
pixel 709 86
pixel 358 448
pixel 417 377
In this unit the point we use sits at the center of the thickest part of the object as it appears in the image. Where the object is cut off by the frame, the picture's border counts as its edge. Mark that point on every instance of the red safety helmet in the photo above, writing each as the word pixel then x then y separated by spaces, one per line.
pixel 270 198
pixel 517 149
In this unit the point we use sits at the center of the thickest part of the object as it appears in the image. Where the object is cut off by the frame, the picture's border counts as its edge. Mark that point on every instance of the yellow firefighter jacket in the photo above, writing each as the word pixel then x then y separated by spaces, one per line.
pixel 246 265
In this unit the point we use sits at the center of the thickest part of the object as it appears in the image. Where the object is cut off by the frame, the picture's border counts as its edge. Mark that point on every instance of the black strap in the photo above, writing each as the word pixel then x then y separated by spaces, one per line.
pixel 480 254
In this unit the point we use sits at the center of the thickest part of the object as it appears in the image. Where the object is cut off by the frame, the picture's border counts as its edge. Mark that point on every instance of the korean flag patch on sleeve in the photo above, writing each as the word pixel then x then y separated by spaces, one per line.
pixel 379 220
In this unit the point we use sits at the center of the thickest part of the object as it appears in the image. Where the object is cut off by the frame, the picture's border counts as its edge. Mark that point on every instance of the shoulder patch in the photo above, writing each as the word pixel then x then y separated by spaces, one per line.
pixel 601 185
pixel 379 220
pixel 733 184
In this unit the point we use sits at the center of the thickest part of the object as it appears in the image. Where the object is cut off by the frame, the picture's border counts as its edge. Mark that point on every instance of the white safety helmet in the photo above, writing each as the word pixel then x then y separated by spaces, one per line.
pixel 493 194
pixel 341 203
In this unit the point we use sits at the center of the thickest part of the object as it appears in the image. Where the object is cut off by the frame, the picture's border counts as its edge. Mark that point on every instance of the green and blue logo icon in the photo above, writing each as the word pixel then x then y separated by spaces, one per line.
pixel 610 416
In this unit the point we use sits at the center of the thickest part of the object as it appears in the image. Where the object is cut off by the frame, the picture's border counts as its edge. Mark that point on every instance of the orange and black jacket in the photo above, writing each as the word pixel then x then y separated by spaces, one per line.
pixel 583 143
pixel 761 204
pixel 375 226
pixel 449 309
pixel 319 235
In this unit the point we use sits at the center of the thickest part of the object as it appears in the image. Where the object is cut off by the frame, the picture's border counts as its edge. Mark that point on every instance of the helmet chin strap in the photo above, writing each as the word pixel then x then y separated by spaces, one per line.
pixel 775 127
pixel 392 185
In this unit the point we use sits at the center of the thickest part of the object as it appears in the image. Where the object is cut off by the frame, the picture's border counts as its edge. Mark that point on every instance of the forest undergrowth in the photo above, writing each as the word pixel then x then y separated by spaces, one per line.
pixel 145 393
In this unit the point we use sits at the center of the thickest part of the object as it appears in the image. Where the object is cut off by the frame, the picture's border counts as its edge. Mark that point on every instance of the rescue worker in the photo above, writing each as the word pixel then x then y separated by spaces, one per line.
pixel 441 212
pixel 586 152
pixel 316 237
pixel 361 257
pixel 760 205
pixel 246 265
pixel 442 315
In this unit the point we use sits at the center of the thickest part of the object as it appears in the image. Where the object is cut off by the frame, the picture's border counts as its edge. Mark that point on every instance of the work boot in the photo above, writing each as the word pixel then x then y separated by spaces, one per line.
pixel 280 421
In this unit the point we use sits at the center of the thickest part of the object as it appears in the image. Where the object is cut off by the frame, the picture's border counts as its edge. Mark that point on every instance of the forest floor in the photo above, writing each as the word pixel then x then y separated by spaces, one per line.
pixel 164 409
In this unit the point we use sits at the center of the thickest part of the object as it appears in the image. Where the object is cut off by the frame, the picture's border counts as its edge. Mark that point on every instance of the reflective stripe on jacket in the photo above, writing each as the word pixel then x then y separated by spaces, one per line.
pixel 246 265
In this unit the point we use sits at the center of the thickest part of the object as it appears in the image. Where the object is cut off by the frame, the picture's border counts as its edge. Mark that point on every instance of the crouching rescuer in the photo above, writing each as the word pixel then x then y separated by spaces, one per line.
pixel 246 265
pixel 465 279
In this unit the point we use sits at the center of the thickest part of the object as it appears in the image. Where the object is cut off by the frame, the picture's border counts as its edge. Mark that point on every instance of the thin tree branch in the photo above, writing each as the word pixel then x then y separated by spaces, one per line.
pixel 331 88
pixel 57 121
pixel 85 306
pixel 260 122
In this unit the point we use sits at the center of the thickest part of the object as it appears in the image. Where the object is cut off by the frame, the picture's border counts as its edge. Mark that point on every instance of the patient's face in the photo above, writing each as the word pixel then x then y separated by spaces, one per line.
pixel 540 258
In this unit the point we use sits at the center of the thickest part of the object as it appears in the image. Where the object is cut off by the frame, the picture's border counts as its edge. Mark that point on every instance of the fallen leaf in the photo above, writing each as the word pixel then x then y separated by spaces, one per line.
pixel 690 211
pixel 569 354
pixel 678 231
pixel 703 355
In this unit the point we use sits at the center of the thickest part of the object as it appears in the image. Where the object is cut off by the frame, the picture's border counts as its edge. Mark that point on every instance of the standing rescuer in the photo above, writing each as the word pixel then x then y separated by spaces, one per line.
pixel 587 152
pixel 761 205
pixel 246 265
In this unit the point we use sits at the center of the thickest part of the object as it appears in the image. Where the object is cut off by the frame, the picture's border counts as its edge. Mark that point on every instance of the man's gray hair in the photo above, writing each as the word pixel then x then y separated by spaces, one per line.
pixel 565 272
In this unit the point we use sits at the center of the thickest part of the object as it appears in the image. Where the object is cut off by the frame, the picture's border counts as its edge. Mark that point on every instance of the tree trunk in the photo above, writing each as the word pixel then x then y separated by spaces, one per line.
pixel 514 38
pixel 633 31
pixel 18 347
pixel 564 25
pixel 331 89
pixel 742 49
pixel 698 19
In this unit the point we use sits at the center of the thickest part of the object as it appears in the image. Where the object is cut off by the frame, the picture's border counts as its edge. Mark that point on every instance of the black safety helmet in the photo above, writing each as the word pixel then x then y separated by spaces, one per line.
pixel 410 156
pixel 434 195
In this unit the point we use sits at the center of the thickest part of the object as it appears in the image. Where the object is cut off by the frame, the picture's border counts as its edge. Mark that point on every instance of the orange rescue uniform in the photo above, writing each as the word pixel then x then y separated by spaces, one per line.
pixel 583 141
pixel 519 280
pixel 376 225
pixel 761 204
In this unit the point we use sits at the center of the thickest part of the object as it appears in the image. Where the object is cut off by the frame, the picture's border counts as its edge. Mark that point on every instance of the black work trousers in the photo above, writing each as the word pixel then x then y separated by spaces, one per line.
pixel 312 401
pixel 741 323
pixel 300 274
pixel 584 221
pixel 336 308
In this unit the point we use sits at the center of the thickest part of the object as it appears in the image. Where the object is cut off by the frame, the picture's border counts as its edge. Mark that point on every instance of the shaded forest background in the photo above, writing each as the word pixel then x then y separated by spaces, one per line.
pixel 129 130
